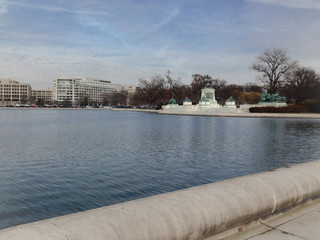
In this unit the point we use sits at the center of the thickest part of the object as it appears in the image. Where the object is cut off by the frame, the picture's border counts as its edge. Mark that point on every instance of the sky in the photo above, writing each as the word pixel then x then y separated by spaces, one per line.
pixel 125 40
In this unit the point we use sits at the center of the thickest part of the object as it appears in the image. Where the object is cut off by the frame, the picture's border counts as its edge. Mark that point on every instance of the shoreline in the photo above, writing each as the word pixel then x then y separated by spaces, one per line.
pixel 196 113
pixel 249 115
pixel 242 115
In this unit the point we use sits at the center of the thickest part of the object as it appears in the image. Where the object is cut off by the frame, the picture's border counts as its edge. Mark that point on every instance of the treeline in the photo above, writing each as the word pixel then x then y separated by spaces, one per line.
pixel 279 74
pixel 276 71
pixel 161 88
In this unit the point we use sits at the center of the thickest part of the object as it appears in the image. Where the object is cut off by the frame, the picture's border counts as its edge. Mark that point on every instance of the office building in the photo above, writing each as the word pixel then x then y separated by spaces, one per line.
pixel 74 89
pixel 131 90
pixel 46 95
pixel 13 92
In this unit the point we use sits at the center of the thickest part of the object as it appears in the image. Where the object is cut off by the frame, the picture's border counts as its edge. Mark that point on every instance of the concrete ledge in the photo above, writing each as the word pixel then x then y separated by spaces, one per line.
pixel 245 115
pixel 194 213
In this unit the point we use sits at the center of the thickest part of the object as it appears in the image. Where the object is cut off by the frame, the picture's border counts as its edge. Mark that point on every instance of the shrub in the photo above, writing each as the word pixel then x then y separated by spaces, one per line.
pixel 313 106
pixel 287 109
pixel 250 97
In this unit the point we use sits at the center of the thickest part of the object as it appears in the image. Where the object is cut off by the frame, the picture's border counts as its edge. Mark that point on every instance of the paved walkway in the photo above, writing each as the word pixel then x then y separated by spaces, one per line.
pixel 302 223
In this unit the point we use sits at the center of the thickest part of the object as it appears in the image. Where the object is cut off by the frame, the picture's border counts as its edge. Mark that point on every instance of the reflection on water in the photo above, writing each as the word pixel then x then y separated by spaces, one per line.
pixel 56 162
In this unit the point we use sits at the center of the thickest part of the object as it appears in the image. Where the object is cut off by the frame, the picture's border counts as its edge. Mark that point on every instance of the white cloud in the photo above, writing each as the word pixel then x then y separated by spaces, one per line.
pixel 39 66
pixel 3 6
pixel 140 40
pixel 165 21
pixel 307 4
pixel 54 9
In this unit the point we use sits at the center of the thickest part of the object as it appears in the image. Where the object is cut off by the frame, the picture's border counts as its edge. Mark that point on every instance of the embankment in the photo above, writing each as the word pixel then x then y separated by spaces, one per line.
pixel 194 213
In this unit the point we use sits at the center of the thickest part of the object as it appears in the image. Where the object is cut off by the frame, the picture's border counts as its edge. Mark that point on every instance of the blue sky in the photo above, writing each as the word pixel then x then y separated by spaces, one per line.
pixel 124 40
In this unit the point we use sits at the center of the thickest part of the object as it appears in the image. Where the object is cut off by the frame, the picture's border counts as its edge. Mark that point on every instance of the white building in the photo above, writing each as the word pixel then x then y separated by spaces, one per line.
pixel 13 92
pixel 131 90
pixel 75 88
pixel 46 95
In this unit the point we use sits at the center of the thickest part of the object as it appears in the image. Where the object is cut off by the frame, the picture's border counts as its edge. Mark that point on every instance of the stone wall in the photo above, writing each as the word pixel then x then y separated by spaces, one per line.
pixel 194 213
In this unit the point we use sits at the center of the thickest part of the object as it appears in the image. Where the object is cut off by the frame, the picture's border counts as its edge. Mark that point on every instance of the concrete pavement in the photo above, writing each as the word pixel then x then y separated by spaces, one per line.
pixel 299 223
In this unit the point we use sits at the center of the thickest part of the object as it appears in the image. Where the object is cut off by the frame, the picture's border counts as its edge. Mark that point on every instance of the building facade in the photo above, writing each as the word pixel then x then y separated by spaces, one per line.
pixel 74 89
pixel 13 92
pixel 46 95
pixel 131 90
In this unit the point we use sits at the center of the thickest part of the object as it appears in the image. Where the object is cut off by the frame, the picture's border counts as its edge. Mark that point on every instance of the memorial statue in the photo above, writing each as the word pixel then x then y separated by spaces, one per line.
pixel 208 82
pixel 230 99
pixel 172 101
pixel 266 97
pixel 187 99
pixel 272 100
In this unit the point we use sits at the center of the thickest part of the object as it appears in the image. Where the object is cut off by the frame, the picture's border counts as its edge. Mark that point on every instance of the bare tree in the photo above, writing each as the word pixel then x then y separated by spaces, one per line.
pixel 174 84
pixel 24 99
pixel 219 86
pixel 152 92
pixel 252 87
pixel 196 85
pixel 302 84
pixel 272 65
pixel 250 97
pixel 83 99
pixel 40 102
pixel 181 92
pixel 120 98
pixel 31 99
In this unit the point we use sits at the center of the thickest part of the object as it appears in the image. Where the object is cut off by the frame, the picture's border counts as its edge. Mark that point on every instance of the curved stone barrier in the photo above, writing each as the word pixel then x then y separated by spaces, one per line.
pixel 194 213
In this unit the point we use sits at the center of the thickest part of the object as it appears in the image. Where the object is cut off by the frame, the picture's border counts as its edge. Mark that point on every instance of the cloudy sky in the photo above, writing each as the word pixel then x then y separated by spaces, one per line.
pixel 125 40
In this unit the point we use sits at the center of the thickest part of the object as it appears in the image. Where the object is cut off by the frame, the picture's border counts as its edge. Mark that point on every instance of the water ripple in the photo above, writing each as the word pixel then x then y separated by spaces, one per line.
pixel 59 162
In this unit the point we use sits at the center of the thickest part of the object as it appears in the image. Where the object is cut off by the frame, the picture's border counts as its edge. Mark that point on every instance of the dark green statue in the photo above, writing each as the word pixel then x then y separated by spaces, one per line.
pixel 208 82
pixel 172 101
pixel 204 99
pixel 187 99
pixel 230 99
pixel 266 97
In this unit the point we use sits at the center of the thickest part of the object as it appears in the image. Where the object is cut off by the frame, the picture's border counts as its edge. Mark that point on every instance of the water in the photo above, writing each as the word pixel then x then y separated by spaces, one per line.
pixel 56 162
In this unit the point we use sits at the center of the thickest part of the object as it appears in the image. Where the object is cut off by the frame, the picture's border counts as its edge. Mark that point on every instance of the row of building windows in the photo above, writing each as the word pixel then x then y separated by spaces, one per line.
pixel 75 88
pixel 9 100
pixel 71 89
pixel 19 95
pixel 14 88
pixel 15 92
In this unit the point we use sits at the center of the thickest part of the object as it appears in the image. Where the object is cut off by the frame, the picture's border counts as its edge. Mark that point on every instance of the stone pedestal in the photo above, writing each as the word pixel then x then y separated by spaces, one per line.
pixel 230 103
pixel 208 99
pixel 272 104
